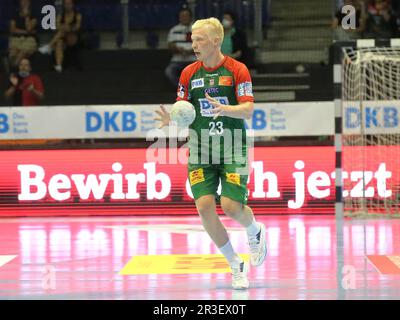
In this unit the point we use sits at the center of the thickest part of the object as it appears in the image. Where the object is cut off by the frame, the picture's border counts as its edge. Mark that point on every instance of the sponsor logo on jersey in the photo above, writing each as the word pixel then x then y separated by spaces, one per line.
pixel 245 89
pixel 225 81
pixel 211 90
pixel 240 90
pixel 206 108
pixel 233 178
pixel 248 89
pixel 198 83
pixel 212 81
pixel 181 90
pixel 196 176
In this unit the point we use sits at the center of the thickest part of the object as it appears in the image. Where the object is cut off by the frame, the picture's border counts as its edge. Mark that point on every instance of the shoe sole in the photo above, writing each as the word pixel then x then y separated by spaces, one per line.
pixel 265 247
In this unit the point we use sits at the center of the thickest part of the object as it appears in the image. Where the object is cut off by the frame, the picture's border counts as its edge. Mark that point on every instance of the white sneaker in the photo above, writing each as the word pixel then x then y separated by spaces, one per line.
pixel 58 68
pixel 258 247
pixel 239 276
pixel 46 49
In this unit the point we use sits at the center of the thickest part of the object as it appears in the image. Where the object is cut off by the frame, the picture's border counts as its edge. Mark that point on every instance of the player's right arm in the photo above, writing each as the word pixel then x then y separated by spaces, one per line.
pixel 182 94
pixel 163 117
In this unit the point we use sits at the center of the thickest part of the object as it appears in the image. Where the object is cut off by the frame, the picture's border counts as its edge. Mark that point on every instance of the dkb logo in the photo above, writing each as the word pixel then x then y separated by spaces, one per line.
pixel 374 117
pixel 4 127
pixel 111 121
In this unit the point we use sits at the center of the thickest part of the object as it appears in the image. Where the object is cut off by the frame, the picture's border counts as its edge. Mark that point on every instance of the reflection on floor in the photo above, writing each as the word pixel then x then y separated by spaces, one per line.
pixel 82 258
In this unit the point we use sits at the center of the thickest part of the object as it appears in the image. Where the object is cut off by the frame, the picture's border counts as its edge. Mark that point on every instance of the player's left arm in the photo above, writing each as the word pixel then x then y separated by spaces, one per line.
pixel 242 110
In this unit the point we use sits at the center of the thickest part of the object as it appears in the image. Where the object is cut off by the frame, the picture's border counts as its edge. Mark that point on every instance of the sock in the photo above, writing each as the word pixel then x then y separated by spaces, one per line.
pixel 230 254
pixel 253 229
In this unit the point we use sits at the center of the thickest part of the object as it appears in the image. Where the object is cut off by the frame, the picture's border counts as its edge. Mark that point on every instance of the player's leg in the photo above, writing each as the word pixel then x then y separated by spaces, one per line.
pixel 255 230
pixel 233 203
pixel 206 208
pixel 204 183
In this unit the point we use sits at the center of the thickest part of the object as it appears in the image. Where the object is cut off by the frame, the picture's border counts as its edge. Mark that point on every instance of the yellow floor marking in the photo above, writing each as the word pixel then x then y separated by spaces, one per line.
pixel 178 264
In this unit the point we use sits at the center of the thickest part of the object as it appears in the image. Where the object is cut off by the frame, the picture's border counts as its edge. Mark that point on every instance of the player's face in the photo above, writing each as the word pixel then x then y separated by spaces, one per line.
pixel 203 46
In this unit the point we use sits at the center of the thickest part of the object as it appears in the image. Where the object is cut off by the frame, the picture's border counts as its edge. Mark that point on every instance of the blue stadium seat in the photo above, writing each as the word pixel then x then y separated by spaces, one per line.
pixel 3 43
pixel 6 13
pixel 106 15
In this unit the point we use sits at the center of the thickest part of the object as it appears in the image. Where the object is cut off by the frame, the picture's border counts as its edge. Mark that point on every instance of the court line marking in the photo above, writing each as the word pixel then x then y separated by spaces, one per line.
pixel 102 219
pixel 385 264
pixel 6 259
pixel 173 228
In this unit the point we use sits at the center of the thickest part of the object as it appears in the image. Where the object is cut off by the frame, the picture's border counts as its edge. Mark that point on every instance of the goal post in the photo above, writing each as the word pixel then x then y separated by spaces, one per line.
pixel 367 99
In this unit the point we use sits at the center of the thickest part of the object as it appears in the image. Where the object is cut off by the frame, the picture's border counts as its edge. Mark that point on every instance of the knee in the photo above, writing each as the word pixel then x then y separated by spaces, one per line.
pixel 205 209
pixel 231 209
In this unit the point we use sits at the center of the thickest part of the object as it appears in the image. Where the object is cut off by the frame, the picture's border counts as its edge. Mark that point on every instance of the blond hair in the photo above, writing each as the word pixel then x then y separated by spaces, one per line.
pixel 213 26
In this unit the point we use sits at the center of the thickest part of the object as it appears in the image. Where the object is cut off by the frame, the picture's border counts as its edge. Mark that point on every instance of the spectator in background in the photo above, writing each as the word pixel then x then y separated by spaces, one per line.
pixel 26 89
pixel 396 18
pixel 69 26
pixel 23 42
pixel 235 41
pixel 180 45
pixel 379 20
pixel 349 34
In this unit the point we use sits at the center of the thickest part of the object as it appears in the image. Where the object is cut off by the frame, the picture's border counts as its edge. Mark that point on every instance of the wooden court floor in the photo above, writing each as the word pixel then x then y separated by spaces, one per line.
pixel 171 257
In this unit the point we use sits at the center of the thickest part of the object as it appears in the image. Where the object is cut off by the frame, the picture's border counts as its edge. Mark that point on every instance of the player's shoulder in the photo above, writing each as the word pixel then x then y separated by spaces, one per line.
pixel 234 65
pixel 191 69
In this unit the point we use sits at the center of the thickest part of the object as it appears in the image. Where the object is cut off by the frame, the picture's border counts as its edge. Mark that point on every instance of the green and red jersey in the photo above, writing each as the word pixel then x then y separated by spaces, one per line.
pixel 230 83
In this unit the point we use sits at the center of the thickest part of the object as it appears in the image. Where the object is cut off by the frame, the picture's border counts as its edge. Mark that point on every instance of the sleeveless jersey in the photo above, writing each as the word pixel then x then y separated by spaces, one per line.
pixel 229 83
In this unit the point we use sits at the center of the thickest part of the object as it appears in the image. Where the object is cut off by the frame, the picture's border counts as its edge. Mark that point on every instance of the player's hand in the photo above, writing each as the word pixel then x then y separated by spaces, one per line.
pixel 31 88
pixel 218 109
pixel 163 117
pixel 14 80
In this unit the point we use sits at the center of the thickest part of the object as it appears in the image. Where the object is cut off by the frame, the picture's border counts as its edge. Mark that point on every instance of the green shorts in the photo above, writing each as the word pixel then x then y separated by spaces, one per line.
pixel 204 180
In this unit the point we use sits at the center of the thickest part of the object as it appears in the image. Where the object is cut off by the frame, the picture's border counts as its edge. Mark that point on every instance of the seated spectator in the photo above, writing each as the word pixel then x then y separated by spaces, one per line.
pixel 23 42
pixel 235 41
pixel 180 45
pixel 349 34
pixel 25 88
pixel 68 35
pixel 379 20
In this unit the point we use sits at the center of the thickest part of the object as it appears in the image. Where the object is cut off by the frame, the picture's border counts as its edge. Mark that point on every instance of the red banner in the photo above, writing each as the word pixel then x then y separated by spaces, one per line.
pixel 283 180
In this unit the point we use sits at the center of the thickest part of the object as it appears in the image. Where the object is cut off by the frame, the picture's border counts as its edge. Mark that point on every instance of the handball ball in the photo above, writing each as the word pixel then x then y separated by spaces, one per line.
pixel 183 113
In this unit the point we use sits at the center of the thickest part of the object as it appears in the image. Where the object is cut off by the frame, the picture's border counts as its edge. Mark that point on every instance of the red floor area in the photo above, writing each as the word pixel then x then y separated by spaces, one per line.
pixel 80 258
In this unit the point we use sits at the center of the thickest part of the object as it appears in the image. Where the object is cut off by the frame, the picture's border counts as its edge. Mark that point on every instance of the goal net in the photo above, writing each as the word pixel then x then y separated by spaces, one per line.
pixel 371 131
